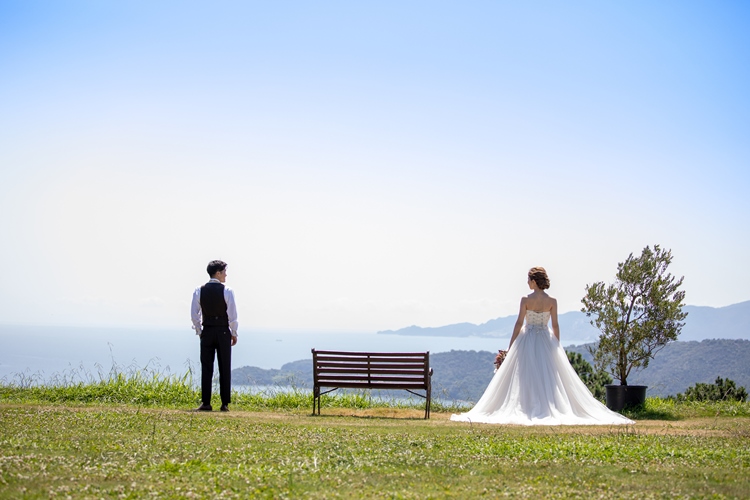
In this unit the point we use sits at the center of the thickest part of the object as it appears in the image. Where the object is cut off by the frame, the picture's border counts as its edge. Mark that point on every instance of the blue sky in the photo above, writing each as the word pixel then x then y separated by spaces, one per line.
pixel 365 165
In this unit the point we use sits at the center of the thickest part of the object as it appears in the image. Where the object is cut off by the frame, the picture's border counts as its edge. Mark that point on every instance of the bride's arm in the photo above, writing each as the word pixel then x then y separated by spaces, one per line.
pixel 555 324
pixel 519 322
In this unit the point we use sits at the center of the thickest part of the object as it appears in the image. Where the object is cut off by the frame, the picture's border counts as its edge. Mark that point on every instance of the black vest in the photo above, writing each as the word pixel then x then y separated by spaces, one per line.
pixel 213 305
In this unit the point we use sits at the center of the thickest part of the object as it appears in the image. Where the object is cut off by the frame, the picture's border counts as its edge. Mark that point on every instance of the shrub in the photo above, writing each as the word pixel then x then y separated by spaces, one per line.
pixel 721 390
pixel 594 380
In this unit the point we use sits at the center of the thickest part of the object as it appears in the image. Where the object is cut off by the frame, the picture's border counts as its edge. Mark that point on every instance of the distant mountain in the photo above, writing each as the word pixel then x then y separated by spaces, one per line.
pixel 575 325
pixel 463 375
pixel 730 322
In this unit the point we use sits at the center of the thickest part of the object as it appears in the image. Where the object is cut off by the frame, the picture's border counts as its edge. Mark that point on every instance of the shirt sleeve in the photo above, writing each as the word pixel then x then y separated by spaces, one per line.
pixel 196 313
pixel 231 310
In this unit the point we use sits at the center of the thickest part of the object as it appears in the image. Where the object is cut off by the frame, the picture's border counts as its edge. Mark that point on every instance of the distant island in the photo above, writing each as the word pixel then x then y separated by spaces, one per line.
pixel 730 322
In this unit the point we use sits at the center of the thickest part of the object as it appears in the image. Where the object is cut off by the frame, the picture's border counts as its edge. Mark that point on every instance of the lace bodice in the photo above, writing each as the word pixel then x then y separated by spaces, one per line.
pixel 535 319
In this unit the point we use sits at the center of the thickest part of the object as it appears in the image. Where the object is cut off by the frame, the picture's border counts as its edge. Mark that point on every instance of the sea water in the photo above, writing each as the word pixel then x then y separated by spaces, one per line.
pixel 50 350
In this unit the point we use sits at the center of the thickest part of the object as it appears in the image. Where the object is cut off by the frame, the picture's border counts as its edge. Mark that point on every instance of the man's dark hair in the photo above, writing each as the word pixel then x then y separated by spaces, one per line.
pixel 215 266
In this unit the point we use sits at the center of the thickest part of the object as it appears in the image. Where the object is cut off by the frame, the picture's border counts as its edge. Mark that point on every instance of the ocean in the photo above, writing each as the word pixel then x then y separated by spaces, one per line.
pixel 46 351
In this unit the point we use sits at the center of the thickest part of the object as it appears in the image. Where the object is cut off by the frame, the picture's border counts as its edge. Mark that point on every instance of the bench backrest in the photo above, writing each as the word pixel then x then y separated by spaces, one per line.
pixel 375 370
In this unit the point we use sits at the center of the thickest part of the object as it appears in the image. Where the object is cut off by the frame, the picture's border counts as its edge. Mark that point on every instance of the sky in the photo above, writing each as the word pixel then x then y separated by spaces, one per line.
pixel 364 166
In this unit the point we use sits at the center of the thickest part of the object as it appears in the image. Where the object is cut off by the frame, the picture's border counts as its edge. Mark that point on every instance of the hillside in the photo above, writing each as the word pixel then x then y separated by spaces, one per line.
pixel 463 375
pixel 681 364
pixel 730 322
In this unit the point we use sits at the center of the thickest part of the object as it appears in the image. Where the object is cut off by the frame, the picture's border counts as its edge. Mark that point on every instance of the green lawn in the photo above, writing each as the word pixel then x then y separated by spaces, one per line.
pixel 60 450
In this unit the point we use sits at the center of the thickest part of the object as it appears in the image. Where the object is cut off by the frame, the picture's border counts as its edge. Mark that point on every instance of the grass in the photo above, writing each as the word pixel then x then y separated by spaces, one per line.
pixel 670 409
pixel 123 437
pixel 151 388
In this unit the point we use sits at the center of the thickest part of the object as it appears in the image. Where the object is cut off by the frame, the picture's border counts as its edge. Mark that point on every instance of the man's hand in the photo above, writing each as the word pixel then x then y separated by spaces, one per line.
pixel 234 340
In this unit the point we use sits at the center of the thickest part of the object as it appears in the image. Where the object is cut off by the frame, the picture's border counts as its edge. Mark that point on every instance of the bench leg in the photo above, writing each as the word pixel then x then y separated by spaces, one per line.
pixel 428 403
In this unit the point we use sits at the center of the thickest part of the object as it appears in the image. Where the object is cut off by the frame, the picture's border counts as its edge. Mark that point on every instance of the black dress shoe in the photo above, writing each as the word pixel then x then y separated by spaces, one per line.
pixel 224 408
pixel 204 408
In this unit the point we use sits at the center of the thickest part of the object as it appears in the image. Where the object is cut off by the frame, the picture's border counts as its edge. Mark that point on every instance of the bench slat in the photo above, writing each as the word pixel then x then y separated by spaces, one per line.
pixel 373 378
pixel 328 380
pixel 379 354
pixel 330 359
pixel 365 366
pixel 394 371
pixel 363 385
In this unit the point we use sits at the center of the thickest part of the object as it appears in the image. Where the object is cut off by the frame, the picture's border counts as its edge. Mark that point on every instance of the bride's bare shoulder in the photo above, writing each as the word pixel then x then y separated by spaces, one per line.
pixel 541 302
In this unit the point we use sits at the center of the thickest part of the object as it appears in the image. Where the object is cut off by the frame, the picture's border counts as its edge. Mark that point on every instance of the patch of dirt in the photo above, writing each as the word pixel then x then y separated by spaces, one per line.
pixel 735 427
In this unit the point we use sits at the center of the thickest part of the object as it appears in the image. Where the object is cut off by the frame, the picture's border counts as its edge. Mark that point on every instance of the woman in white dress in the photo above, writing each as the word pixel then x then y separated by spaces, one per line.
pixel 536 385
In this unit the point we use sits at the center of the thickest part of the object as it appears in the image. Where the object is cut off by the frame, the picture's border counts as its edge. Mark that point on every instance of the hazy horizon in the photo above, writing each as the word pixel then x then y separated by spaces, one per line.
pixel 283 330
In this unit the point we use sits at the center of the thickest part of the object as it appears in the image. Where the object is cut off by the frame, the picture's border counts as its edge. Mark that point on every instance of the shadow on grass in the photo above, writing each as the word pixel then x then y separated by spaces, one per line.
pixel 373 414
pixel 645 412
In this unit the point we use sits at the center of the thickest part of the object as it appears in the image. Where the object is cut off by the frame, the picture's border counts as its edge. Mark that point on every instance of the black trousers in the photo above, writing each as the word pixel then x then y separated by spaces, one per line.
pixel 216 340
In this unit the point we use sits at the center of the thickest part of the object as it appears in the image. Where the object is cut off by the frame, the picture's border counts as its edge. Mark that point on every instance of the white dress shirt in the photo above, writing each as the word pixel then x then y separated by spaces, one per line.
pixel 196 313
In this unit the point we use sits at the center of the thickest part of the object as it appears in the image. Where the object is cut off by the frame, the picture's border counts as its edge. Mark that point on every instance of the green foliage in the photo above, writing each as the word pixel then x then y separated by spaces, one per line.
pixel 142 387
pixel 672 409
pixel 637 315
pixel 682 364
pixel 721 390
pixel 150 388
pixel 594 380
pixel 461 375
pixel 464 375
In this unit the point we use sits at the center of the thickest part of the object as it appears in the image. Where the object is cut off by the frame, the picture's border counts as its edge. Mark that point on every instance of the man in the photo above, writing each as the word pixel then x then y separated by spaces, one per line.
pixel 214 316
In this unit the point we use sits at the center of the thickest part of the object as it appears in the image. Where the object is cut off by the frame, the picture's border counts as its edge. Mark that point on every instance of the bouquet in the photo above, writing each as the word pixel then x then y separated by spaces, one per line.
pixel 500 358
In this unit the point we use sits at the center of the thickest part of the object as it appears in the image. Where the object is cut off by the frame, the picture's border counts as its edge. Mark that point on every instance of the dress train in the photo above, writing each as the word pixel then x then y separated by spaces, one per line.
pixel 536 385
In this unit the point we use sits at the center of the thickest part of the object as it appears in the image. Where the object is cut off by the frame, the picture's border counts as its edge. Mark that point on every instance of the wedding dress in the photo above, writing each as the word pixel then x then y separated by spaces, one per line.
pixel 536 385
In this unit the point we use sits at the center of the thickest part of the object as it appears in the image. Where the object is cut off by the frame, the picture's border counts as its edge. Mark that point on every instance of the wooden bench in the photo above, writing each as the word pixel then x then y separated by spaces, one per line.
pixel 409 371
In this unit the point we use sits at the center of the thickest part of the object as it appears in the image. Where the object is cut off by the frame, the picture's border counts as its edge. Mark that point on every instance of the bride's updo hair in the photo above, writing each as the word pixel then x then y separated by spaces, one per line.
pixel 539 276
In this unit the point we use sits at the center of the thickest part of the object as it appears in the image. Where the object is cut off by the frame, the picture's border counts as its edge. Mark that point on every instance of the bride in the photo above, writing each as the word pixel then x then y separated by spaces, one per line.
pixel 536 385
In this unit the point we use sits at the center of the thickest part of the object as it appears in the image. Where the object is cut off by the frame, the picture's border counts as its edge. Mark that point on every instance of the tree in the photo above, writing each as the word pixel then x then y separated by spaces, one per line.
pixel 594 380
pixel 637 315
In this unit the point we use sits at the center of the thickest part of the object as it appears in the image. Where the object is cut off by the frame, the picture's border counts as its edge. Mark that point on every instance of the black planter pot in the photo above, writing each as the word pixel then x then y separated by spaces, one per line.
pixel 622 396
